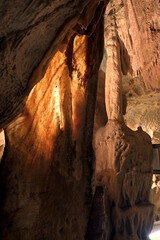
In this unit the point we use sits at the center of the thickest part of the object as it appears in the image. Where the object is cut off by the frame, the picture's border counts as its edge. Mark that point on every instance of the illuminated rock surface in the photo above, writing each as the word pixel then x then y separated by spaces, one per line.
pixel 123 156
pixel 46 192
pixel 50 52
pixel 138 31
pixel 143 107
pixel 2 143
pixel 31 32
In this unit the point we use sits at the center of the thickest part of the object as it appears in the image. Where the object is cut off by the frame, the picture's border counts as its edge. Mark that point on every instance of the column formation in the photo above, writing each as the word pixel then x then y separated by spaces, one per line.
pixel 123 156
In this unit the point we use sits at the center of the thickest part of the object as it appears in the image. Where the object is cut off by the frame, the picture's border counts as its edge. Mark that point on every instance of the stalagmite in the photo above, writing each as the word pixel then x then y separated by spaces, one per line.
pixel 123 156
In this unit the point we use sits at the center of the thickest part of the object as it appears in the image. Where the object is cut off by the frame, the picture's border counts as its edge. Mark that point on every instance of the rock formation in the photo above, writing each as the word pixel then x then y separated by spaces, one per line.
pixel 143 107
pixel 123 157
pixel 50 53
pixel 46 174
pixel 31 32
pixel 155 196
pixel 138 32
pixel 2 143
pixel 138 35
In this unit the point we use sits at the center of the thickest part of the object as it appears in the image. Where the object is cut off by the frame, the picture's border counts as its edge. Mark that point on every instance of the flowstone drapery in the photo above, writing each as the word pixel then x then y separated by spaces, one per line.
pixel 123 156
pixel 47 167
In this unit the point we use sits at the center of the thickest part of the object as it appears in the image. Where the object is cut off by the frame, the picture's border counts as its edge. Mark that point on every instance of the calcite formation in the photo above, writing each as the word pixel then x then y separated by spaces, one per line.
pixel 155 196
pixel 46 173
pixel 123 157
pixel 2 143
pixel 31 33
pixel 143 107
pixel 138 32
pixel 50 53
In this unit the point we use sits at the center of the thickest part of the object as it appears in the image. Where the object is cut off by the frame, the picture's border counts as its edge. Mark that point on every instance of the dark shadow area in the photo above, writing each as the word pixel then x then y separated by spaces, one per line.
pixel 125 59
pixel 96 227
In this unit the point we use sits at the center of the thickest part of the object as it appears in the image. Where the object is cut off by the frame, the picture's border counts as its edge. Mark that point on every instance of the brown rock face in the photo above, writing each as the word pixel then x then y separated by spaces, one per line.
pixel 2 143
pixel 143 107
pixel 50 53
pixel 31 32
pixel 123 167
pixel 138 31
pixel 155 196
pixel 47 168
pixel 100 118
pixel 123 157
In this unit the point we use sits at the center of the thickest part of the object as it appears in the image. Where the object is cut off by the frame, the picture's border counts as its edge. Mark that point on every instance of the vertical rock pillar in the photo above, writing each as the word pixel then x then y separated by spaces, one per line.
pixel 123 156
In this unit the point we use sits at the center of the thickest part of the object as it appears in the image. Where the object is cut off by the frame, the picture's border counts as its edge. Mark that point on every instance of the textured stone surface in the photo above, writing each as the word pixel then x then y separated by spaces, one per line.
pixel 97 226
pixel 133 223
pixel 123 166
pixel 138 31
pixel 121 152
pixel 100 118
pixel 123 156
pixel 143 108
pixel 2 143
pixel 140 106
pixel 31 32
pixel 113 82
pixel 47 167
pixel 138 36
pixel 155 196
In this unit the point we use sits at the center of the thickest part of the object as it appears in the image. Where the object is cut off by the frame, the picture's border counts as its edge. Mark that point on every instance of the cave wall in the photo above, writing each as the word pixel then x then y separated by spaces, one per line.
pixel 143 107
pixel 138 28
pixel 47 169
pixel 48 165
pixel 2 143
pixel 31 33
pixel 138 35
pixel 123 156
pixel 155 196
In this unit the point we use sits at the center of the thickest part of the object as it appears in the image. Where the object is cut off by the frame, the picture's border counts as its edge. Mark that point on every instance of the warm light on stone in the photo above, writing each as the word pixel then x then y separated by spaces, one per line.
pixel 64 175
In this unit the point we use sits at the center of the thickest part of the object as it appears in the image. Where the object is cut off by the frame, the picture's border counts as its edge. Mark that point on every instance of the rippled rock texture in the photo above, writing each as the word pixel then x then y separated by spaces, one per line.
pixel 123 156
pixel 31 32
pixel 143 107
pixel 50 52
pixel 47 167
pixel 123 167
pixel 138 29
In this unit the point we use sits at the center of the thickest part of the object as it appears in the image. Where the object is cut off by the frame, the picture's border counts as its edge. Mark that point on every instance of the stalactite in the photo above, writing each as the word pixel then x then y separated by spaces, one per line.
pixel 113 83
pixel 123 157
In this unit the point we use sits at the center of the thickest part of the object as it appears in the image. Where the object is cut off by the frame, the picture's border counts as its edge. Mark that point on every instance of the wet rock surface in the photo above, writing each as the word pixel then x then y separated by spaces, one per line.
pixel 31 33
pixel 46 173
pixel 47 170
pixel 123 156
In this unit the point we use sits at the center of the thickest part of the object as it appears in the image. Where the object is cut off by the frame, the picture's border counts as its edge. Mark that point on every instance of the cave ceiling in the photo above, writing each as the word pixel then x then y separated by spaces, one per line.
pixel 50 54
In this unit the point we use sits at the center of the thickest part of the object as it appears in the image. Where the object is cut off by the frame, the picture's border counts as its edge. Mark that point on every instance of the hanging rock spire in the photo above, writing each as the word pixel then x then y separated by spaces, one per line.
pixel 113 84
pixel 123 156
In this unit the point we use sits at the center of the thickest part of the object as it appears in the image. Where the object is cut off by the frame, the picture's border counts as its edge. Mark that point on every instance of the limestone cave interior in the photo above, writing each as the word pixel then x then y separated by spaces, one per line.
pixel 79 120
